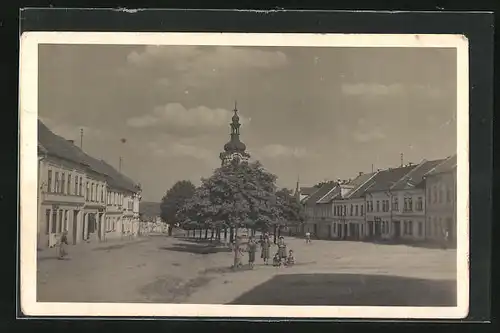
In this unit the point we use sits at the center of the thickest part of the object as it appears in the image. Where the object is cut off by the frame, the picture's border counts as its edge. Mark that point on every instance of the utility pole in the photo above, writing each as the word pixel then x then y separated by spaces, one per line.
pixel 402 160
pixel 81 138
pixel 372 167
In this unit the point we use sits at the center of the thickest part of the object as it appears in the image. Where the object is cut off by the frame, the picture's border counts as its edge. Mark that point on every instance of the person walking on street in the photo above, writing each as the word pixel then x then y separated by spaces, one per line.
pixel 62 245
pixel 308 237
pixel 265 248
pixel 282 248
pixel 252 248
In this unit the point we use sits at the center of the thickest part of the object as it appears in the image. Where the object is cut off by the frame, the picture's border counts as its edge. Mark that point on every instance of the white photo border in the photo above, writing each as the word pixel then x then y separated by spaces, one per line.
pixel 28 117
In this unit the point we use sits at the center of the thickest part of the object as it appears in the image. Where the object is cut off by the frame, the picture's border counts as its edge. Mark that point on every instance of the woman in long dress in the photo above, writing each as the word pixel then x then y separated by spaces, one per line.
pixel 62 245
pixel 282 248
pixel 252 248
pixel 265 247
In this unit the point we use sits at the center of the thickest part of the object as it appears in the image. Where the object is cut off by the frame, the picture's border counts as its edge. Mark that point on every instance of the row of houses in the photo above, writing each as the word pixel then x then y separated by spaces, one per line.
pixel 407 203
pixel 82 195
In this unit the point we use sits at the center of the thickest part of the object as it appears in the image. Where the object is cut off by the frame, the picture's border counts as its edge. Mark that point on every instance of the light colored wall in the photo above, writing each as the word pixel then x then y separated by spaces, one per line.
pixel 441 205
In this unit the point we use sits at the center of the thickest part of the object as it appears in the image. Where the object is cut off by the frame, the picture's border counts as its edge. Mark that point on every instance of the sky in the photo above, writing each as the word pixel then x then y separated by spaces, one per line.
pixel 307 113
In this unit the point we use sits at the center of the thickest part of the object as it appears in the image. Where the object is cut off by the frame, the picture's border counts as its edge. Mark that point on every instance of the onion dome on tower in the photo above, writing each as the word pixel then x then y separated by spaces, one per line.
pixel 234 150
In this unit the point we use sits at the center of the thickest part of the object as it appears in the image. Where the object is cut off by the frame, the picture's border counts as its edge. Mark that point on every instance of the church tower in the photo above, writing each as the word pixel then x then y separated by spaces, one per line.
pixel 234 150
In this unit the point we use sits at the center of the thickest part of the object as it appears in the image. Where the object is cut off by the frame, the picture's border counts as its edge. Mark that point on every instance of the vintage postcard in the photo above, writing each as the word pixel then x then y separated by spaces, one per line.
pixel 244 175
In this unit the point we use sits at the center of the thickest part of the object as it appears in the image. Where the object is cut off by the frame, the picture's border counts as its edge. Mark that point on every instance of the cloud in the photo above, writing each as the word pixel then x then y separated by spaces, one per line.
pixel 174 117
pixel 281 151
pixel 194 57
pixel 176 150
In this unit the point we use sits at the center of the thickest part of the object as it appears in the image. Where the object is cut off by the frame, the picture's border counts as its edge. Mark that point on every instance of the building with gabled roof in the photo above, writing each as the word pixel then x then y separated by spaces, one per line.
pixel 441 202
pixel 75 191
pixel 408 203
pixel 318 212
pixel 378 197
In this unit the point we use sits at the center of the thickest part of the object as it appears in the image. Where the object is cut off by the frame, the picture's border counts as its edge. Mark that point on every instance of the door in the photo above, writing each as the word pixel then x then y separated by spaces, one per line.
pixel 397 229
pixel 75 226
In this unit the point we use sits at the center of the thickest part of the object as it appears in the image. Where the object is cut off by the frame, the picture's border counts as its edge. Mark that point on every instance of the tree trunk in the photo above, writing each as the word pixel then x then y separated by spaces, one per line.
pixel 236 248
pixel 212 234
pixel 200 234
pixel 170 227
pixel 231 234
pixel 279 231
pixel 274 234
pixel 206 233
pixel 225 234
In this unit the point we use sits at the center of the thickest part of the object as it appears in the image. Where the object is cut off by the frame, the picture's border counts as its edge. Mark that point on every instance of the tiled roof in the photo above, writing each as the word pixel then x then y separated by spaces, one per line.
pixel 307 190
pixel 384 179
pixel 322 191
pixel 58 146
pixel 359 191
pixel 446 166
pixel 55 145
pixel 415 177
pixel 329 196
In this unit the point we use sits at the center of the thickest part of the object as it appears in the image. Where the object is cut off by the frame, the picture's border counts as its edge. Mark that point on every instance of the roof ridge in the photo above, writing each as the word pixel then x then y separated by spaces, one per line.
pixel 406 175
pixel 349 195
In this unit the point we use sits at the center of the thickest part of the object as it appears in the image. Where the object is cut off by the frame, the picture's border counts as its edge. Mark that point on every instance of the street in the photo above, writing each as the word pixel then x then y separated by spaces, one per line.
pixel 165 269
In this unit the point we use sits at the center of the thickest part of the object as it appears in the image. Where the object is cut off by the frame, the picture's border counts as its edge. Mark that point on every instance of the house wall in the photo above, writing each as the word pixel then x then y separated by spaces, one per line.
pixel 349 219
pixel 60 200
pixel 378 215
pixel 408 214
pixel 441 207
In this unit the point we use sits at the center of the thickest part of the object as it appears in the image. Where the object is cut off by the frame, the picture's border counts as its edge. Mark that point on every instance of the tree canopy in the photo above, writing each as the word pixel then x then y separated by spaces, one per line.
pixel 174 200
pixel 239 195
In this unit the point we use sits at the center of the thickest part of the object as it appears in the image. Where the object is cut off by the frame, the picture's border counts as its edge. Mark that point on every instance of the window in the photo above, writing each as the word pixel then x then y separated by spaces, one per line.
pixel 68 190
pixel 102 193
pixel 420 229
pixel 91 191
pixel 61 221
pixel 378 206
pixel 420 204
pixel 352 208
pixel 362 213
pixel 63 183
pixel 345 210
pixel 56 185
pixel 410 204
pixel 54 222
pixel 440 194
pixel 66 220
pixel 448 194
pixel 429 194
pixel 75 190
pixel 357 210
pixel 410 228
pixel 395 204
pixel 80 185
pixel 49 181
pixel 47 221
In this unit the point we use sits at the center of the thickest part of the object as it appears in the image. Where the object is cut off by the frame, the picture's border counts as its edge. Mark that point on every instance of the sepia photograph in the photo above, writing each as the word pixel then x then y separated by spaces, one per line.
pixel 266 175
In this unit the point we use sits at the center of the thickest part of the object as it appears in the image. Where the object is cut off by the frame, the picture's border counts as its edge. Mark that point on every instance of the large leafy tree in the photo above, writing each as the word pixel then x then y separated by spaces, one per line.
pixel 239 195
pixel 174 200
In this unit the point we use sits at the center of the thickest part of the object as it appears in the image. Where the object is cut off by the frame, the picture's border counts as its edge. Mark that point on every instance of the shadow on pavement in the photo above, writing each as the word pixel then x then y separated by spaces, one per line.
pixel 196 248
pixel 350 290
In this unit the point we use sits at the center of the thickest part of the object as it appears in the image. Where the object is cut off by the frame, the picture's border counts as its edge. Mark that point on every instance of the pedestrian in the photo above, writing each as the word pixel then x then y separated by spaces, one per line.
pixel 265 248
pixel 446 236
pixel 277 260
pixel 252 248
pixel 238 252
pixel 62 245
pixel 290 260
pixel 308 237
pixel 282 248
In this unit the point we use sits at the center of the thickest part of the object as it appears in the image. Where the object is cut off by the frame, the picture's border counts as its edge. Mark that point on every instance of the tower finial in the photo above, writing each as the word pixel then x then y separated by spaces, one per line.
pixel 235 106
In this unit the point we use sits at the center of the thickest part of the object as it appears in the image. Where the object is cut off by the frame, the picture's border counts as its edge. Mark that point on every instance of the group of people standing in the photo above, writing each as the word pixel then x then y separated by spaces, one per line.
pixel 281 257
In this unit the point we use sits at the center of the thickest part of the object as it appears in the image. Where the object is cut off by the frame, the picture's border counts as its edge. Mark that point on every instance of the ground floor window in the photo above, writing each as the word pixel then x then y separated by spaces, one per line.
pixel 61 221
pixel 47 221
pixel 420 229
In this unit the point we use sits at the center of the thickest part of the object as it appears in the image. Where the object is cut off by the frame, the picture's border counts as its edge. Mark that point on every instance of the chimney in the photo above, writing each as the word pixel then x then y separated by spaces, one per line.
pixel 71 141
pixel 360 173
